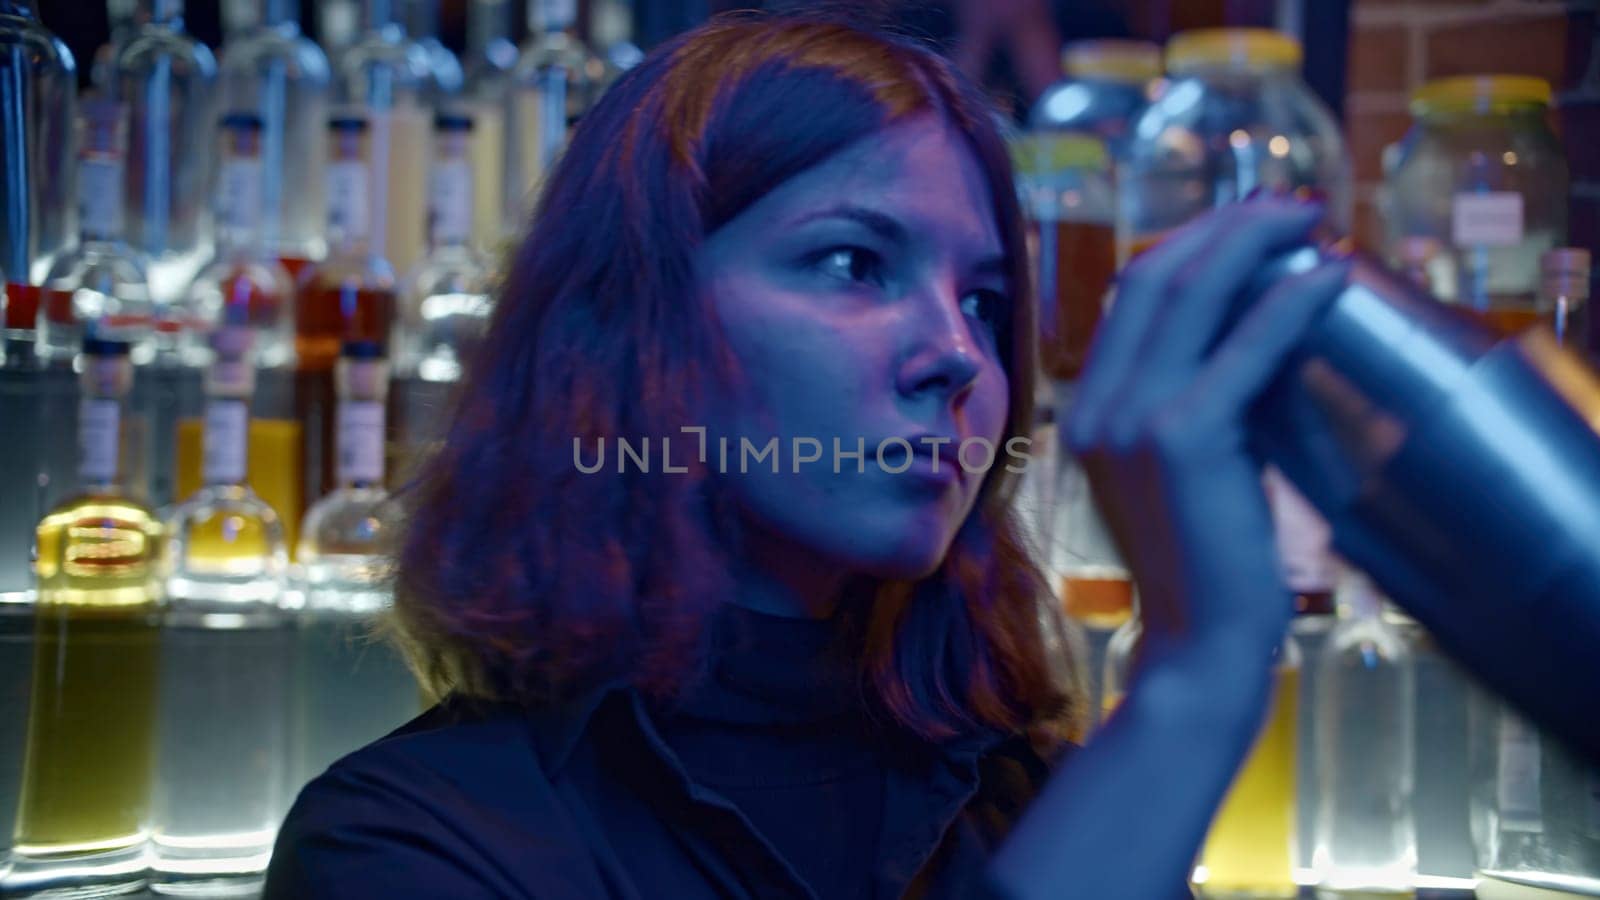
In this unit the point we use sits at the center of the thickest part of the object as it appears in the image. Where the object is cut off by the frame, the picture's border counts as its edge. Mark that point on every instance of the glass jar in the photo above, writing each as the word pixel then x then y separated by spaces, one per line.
pixel 1481 172
pixel 1235 117
pixel 1108 83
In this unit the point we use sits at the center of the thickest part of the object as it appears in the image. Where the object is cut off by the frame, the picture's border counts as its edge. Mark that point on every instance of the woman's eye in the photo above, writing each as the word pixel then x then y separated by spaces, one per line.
pixel 853 264
pixel 984 305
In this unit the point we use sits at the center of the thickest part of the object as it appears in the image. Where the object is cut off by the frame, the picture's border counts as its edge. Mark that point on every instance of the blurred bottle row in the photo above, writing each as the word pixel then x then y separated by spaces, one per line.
pixel 1399 765
pixel 244 290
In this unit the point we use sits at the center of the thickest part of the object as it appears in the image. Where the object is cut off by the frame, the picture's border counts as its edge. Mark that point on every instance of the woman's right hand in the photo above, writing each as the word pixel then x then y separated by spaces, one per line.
pixel 1159 421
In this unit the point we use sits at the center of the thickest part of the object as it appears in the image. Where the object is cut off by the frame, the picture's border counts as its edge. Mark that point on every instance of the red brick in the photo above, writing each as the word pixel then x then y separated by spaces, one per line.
pixel 1368 134
pixel 1522 46
pixel 1379 59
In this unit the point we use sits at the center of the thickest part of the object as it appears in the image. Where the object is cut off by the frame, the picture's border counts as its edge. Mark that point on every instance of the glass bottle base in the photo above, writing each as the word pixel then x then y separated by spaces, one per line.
pixel 110 873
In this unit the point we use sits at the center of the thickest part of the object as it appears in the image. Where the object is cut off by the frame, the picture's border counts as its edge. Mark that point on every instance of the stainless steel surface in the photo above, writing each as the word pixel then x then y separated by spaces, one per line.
pixel 1462 473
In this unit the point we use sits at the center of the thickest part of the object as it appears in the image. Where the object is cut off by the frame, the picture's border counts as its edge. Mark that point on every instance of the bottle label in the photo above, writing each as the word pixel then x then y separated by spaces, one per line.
pixel 226 436
pixel 360 441
pixel 239 194
pixel 347 198
pixel 99 420
pixel 1492 219
pixel 1303 537
pixel 450 203
pixel 1517 775
pixel 100 198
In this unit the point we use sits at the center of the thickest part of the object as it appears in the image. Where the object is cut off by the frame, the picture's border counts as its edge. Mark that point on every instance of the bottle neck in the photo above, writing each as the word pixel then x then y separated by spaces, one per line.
pixel 226 451
pixel 488 22
pixel 168 13
pixel 361 439
pixel 278 13
pixel 378 14
pixel 100 441
pixel 549 16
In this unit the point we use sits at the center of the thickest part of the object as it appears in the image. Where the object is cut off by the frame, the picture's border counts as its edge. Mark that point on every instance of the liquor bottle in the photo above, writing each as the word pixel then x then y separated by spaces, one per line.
pixel 1364 744
pixel 348 296
pixel 445 74
pixel 102 280
pixel 447 299
pixel 227 654
pixel 553 85
pixel 122 17
pixel 612 30
pixel 39 85
pixel 83 814
pixel 1564 294
pixel 1248 851
pixel 351 686
pixel 243 285
pixel 490 59
pixel 277 73
pixel 387 76
pixel 167 80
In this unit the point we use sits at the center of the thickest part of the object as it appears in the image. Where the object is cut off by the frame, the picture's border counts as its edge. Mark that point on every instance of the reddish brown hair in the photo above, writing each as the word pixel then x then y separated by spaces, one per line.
pixel 520 578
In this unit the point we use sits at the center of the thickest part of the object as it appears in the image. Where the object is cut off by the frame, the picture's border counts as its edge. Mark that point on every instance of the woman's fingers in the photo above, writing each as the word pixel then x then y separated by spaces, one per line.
pixel 1245 362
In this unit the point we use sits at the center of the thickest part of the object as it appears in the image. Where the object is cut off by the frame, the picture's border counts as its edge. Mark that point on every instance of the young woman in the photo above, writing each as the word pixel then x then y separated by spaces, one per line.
pixel 784 676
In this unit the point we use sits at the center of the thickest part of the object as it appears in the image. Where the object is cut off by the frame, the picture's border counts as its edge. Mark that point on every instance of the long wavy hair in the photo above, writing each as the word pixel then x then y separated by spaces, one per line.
pixel 519 578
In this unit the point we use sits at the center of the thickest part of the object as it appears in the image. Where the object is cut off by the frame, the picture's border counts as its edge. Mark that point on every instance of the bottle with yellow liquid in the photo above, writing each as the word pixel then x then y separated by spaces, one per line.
pixel 1248 852
pixel 83 814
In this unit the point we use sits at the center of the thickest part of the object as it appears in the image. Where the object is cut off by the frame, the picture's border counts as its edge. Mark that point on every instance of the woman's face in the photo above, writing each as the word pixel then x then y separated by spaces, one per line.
pixel 861 300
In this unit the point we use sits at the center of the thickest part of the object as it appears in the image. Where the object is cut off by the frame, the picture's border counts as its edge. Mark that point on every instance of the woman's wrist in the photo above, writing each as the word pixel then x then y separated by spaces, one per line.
pixel 1215 676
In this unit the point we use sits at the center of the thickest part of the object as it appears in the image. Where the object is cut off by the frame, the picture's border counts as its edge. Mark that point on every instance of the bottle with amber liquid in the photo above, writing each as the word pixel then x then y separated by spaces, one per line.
pixel 1249 849
pixel 82 822
pixel 349 296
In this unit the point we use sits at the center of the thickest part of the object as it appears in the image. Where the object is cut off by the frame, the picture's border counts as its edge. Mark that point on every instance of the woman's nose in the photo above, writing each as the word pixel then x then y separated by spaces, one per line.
pixel 943 356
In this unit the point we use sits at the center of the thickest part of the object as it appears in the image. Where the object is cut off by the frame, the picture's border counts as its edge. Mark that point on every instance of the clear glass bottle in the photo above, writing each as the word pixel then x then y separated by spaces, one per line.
pixel 227 654
pixel 1107 84
pixel 1564 294
pixel 243 285
pixel 122 17
pixel 447 299
pixel 282 76
pixel 101 282
pixel 386 76
pixel 39 82
pixel 352 686
pixel 1234 117
pixel 552 88
pixel 1249 849
pixel 1481 171
pixel 1364 742
pixel 491 58
pixel 167 81
pixel 83 815
pixel 611 27
pixel 445 73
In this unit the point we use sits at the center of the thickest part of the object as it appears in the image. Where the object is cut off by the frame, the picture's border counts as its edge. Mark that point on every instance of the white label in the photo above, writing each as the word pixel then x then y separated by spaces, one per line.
pixel 1517 776
pixel 347 199
pixel 100 198
pixel 239 194
pixel 98 423
pixel 360 441
pixel 226 436
pixel 1303 537
pixel 450 203
pixel 1486 220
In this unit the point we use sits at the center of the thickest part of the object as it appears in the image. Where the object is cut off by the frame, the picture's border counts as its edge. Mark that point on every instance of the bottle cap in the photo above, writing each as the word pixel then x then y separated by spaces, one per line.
pixel 94 345
pixel 1110 59
pixel 1046 152
pixel 347 124
pixel 240 121
pixel 361 350
pixel 452 122
pixel 1481 94
pixel 1237 48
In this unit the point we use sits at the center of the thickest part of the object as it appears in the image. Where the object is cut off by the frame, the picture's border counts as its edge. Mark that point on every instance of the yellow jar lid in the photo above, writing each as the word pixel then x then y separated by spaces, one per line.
pixel 1045 152
pixel 1242 48
pixel 1480 94
pixel 1135 62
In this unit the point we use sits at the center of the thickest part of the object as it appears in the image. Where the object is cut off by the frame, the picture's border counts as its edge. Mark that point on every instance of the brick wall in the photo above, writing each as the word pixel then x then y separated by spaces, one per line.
pixel 1395 45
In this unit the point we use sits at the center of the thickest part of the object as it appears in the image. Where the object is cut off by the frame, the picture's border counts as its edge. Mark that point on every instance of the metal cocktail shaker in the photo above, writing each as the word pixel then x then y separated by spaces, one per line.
pixel 1461 472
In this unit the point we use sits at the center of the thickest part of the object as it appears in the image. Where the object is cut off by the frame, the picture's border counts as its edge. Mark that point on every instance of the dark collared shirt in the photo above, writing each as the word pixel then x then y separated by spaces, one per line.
pixel 591 800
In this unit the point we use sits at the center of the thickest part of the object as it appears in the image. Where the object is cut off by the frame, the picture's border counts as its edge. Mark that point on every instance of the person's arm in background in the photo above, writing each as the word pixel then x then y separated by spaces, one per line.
pixel 1159 424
